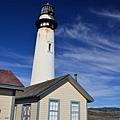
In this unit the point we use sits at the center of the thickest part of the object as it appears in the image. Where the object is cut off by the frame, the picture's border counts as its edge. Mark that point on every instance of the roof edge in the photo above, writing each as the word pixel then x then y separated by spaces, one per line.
pixel 52 85
pixel 12 87
pixel 42 92
pixel 77 85
pixel 80 88
pixel 72 81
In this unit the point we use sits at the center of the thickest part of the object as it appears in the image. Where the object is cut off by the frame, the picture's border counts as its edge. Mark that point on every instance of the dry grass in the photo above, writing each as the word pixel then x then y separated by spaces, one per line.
pixel 103 115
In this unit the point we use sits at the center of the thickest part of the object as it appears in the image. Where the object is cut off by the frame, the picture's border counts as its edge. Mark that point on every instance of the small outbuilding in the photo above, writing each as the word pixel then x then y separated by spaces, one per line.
pixel 61 98
pixel 9 84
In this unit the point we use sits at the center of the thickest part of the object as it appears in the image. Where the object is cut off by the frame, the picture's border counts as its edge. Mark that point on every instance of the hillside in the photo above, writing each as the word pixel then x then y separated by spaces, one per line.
pixel 104 113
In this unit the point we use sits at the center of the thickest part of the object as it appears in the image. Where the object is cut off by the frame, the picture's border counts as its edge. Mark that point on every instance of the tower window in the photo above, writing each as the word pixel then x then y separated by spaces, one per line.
pixel 50 47
pixel 52 26
pixel 47 23
pixel 41 24
pixel 44 24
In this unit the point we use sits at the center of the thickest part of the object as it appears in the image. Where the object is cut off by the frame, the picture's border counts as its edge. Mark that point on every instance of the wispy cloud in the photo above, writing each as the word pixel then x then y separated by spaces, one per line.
pixel 14 60
pixel 6 52
pixel 96 62
pixel 88 34
pixel 95 68
pixel 111 14
pixel 20 65
pixel 8 65
pixel 25 80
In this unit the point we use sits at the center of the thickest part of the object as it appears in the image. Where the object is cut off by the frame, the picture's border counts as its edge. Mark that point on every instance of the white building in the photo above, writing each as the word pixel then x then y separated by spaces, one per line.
pixel 57 99
pixel 9 84
pixel 43 65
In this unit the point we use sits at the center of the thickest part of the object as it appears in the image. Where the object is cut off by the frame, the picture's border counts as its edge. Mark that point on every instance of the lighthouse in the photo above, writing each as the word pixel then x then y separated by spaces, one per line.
pixel 43 63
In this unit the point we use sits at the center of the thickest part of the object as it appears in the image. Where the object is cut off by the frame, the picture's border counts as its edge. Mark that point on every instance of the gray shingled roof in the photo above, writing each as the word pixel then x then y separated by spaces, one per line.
pixel 38 89
pixel 34 90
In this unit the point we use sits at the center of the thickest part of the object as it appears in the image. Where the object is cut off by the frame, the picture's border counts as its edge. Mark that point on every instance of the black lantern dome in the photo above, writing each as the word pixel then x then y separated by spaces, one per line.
pixel 47 22
pixel 47 9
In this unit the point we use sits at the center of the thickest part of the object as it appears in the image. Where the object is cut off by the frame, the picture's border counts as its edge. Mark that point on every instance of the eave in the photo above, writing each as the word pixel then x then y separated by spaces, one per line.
pixel 12 87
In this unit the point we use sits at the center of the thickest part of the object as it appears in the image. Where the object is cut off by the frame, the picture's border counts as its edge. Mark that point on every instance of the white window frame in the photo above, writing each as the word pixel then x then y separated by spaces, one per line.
pixel 53 111
pixel 75 110
pixel 28 115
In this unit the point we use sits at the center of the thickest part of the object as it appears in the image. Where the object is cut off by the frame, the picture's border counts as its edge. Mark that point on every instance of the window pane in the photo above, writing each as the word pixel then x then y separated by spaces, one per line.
pixel 75 111
pixel 50 47
pixel 53 110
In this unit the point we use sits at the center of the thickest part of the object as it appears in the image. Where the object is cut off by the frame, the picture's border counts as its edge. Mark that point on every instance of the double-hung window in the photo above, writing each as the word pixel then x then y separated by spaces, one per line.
pixel 53 109
pixel 26 112
pixel 75 110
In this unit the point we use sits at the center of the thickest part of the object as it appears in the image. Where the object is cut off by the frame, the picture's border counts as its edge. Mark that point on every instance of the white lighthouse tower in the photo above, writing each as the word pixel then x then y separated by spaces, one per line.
pixel 43 64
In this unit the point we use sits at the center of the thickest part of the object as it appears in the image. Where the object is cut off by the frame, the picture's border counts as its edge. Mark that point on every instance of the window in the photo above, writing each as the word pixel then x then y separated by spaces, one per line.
pixel 53 109
pixel 75 111
pixel 26 112
pixel 50 47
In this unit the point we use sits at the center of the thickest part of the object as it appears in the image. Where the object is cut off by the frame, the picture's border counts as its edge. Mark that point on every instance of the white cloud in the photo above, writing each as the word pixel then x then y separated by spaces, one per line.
pixel 24 80
pixel 7 52
pixel 77 30
pixel 88 34
pixel 22 60
pixel 95 68
pixel 8 65
pixel 97 63
pixel 111 14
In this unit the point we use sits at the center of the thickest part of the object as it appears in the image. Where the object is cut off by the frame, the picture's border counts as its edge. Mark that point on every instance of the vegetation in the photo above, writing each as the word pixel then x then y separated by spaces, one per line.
pixel 105 113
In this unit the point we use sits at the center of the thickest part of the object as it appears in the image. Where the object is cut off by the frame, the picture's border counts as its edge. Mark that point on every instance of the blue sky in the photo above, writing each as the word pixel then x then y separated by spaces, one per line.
pixel 87 42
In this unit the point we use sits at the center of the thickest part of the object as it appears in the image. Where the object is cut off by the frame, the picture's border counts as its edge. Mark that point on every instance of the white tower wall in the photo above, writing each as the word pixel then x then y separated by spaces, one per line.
pixel 43 65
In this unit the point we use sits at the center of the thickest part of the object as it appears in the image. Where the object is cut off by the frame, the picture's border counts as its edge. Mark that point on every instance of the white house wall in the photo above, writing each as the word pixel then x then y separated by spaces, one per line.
pixel 33 111
pixel 66 93
pixel 18 112
pixel 5 104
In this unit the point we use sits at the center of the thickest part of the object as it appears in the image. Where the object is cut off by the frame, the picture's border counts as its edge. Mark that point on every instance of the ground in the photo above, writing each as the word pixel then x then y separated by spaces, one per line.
pixel 103 115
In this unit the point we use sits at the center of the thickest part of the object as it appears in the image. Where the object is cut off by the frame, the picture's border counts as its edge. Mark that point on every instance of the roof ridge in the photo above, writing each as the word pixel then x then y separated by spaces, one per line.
pixel 36 89
pixel 49 80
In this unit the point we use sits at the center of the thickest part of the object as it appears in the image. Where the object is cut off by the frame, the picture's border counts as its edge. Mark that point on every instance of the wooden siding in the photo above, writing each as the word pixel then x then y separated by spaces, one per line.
pixel 33 111
pixel 18 112
pixel 66 93
pixel 5 106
